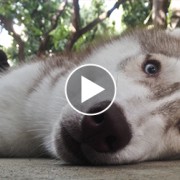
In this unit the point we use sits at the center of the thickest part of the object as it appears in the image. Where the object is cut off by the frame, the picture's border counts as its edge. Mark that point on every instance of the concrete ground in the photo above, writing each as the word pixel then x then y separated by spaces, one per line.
pixel 24 169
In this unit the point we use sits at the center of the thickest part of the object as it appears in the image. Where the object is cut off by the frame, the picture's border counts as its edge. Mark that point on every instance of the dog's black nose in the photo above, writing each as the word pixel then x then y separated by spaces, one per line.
pixel 106 132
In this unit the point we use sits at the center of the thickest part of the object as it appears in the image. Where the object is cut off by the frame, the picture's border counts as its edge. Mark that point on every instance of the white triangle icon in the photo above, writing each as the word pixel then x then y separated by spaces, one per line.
pixel 89 89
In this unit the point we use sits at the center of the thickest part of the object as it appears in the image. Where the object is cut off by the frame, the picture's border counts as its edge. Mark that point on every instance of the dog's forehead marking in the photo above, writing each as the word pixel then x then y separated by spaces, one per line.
pixel 159 42
pixel 151 42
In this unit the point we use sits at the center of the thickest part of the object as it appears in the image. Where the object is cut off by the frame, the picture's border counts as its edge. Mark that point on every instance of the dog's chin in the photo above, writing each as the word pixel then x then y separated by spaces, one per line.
pixel 67 138
pixel 73 151
pixel 68 148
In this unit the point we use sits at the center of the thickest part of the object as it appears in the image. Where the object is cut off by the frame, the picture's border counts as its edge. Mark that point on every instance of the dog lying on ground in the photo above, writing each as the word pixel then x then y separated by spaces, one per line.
pixel 36 120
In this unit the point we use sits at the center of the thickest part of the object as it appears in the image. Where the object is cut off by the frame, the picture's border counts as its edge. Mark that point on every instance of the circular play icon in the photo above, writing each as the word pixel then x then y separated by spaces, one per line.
pixel 88 86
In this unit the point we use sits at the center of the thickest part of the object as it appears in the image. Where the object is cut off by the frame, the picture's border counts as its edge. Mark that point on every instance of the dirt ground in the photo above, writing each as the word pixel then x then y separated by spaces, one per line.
pixel 51 169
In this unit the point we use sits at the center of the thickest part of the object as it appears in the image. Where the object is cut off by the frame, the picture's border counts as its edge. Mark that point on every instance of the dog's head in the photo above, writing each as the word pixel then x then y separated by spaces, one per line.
pixel 143 123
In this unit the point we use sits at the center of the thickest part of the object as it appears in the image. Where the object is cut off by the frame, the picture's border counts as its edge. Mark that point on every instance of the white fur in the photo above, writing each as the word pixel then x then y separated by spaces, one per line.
pixel 30 122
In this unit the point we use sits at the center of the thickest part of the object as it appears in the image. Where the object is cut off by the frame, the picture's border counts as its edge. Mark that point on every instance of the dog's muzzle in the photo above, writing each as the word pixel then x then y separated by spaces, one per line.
pixel 107 132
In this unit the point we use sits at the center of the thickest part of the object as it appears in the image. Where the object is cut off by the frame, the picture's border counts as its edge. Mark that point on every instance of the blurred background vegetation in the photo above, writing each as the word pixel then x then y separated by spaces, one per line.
pixel 43 27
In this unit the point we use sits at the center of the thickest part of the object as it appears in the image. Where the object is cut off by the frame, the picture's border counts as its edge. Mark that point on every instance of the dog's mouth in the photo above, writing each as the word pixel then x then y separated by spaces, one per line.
pixel 72 146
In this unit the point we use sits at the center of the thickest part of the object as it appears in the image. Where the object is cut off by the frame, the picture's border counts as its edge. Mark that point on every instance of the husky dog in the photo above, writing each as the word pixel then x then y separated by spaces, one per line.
pixel 142 124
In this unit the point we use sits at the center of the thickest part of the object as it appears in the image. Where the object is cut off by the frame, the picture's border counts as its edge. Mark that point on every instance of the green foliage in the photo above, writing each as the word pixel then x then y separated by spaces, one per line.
pixel 62 33
pixel 36 19
pixel 135 12
pixel 34 16
pixel 12 53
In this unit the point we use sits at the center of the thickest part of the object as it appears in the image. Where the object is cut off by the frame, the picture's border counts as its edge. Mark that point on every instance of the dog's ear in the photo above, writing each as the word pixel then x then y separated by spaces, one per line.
pixel 174 32
pixel 3 61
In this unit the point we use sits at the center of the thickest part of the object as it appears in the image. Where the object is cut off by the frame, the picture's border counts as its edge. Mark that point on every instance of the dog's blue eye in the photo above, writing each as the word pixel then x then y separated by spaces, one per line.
pixel 151 67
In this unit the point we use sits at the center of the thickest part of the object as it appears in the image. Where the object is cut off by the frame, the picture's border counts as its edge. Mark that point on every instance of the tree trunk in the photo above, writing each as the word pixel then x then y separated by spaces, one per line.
pixel 43 47
pixel 175 19
pixel 8 25
pixel 21 49
pixel 159 11
pixel 79 31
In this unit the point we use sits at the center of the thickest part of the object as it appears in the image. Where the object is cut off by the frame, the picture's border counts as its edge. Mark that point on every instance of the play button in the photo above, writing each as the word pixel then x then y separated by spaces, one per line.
pixel 89 89
pixel 88 86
